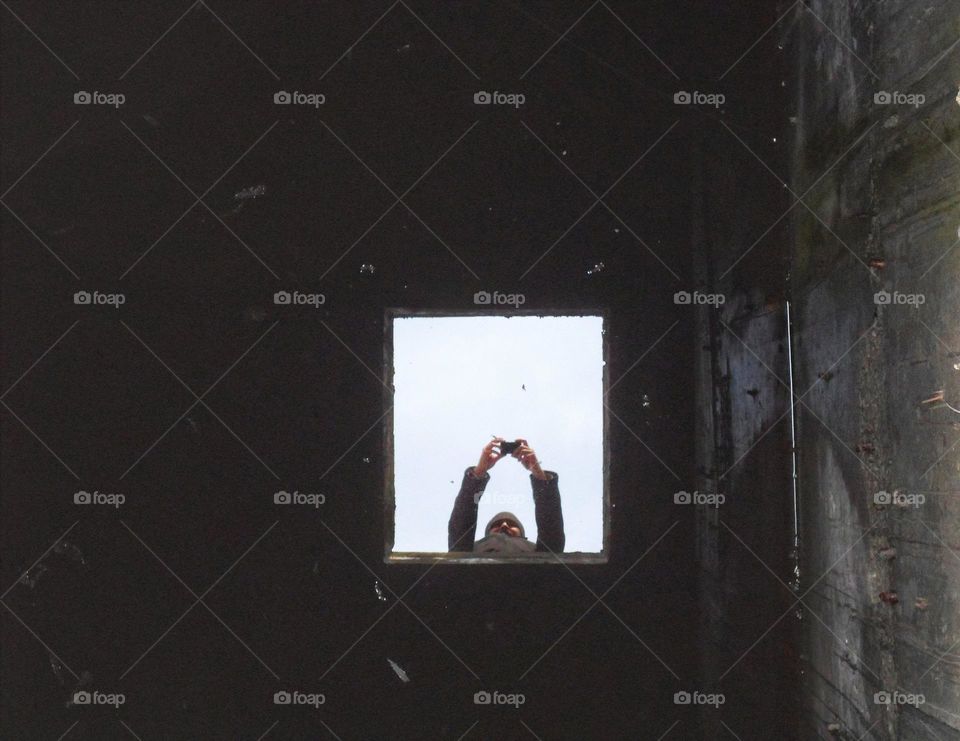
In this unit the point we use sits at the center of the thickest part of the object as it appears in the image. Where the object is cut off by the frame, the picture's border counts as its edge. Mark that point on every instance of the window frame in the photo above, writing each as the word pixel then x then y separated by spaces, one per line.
pixel 389 494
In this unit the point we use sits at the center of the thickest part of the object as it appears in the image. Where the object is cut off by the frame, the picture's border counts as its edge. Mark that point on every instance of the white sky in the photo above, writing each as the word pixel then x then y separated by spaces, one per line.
pixel 458 381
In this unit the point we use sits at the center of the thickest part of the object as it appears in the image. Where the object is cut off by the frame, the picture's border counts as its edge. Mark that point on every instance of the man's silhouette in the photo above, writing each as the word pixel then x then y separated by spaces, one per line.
pixel 505 533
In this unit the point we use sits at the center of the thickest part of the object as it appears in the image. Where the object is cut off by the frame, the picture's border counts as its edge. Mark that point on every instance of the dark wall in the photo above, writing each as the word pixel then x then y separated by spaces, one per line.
pixel 881 576
pixel 744 534
pixel 105 399
pixel 867 204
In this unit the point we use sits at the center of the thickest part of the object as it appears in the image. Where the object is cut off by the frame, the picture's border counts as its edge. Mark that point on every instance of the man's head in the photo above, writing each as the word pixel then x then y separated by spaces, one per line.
pixel 507 524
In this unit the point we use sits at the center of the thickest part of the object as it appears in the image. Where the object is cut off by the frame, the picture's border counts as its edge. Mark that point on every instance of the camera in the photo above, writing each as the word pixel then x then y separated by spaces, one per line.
pixel 508 448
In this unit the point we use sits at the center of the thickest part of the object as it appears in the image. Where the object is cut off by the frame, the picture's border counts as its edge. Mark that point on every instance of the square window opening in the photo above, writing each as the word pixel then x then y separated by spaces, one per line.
pixel 461 380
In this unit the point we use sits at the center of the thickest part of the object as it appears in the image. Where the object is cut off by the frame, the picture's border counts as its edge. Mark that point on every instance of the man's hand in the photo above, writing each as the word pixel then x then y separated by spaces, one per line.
pixel 488 457
pixel 528 459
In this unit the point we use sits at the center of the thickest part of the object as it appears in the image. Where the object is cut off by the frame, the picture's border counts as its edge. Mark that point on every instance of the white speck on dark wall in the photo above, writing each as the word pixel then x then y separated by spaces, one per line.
pixel 248 194
pixel 59 670
pixel 31 577
pixel 398 670
pixel 69 550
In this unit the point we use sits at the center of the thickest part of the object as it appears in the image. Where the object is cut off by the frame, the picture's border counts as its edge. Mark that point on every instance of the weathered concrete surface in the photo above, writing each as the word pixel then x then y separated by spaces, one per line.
pixel 886 219
pixel 879 213
pixel 747 619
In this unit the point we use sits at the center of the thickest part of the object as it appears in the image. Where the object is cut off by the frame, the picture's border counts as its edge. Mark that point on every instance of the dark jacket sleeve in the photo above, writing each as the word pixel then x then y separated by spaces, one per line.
pixel 546 502
pixel 462 528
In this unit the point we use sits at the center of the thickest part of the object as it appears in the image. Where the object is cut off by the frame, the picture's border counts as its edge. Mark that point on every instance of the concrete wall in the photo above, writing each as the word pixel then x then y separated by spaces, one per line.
pixel 744 544
pixel 882 181
pixel 714 599
pixel 312 606
pixel 887 184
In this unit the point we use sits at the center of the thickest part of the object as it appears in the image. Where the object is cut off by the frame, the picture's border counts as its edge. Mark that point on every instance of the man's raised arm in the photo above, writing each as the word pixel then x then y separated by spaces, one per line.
pixel 462 528
pixel 546 500
pixel 546 503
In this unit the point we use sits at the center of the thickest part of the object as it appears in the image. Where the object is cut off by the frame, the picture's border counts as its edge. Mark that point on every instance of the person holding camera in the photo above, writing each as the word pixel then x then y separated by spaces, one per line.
pixel 504 532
